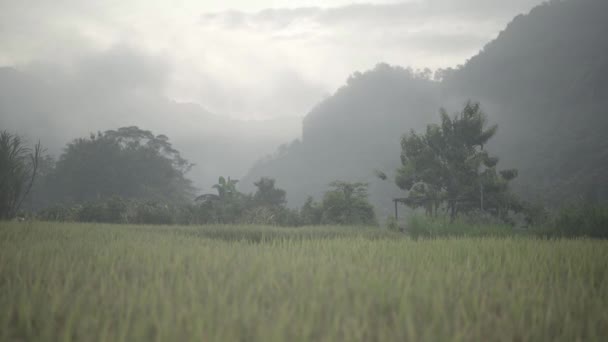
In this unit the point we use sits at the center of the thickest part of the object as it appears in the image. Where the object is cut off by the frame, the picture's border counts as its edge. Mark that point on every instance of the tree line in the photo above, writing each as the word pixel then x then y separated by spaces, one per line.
pixel 343 204
pixel 130 175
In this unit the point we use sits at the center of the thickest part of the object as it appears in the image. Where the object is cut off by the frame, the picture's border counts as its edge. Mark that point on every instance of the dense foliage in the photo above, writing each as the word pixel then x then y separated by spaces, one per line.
pixel 448 166
pixel 128 162
pixel 18 171
pixel 550 110
pixel 345 204
pixel 590 220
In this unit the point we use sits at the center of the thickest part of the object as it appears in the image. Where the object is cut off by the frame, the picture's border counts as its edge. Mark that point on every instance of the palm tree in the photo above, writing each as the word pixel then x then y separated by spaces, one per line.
pixel 226 188
pixel 18 169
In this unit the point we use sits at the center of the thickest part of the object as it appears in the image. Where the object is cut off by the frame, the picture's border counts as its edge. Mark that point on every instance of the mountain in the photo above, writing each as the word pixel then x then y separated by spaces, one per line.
pixel 544 80
pixel 352 133
pixel 57 108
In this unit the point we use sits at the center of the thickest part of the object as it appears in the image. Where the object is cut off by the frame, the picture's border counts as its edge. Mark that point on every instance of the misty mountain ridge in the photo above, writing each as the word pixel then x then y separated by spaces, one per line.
pixel 57 107
pixel 542 80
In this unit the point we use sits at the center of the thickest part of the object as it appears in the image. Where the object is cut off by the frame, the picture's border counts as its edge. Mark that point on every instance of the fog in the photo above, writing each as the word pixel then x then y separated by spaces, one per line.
pixel 259 170
pixel 236 77
pixel 234 84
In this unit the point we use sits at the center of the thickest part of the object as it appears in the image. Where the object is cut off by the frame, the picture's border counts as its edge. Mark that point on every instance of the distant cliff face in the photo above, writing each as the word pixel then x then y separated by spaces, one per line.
pixel 544 80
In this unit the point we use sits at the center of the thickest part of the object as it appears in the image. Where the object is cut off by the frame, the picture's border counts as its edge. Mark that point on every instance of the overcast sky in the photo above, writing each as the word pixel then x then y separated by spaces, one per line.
pixel 247 59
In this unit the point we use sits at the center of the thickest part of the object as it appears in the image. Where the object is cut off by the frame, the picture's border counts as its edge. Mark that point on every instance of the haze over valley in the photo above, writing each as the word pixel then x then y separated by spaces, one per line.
pixel 227 83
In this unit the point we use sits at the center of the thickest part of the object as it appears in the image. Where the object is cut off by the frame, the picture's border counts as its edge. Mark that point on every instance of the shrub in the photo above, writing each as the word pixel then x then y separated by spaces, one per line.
pixel 261 215
pixel 535 214
pixel 113 210
pixel 152 212
pixel 347 204
pixel 92 212
pixel 311 213
pixel 392 224
pixel 61 213
pixel 588 220
pixel 272 216
pixel 429 227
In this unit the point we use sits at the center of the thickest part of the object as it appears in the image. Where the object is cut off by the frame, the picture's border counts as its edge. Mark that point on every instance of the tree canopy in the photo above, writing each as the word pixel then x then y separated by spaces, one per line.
pixel 128 162
pixel 347 203
pixel 268 194
pixel 448 165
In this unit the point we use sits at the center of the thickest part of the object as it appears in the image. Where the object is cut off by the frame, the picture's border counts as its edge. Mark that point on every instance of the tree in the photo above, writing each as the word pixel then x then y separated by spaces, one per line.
pixel 128 162
pixel 226 188
pixel 448 165
pixel 267 194
pixel 18 170
pixel 347 203
pixel 311 212
pixel 225 207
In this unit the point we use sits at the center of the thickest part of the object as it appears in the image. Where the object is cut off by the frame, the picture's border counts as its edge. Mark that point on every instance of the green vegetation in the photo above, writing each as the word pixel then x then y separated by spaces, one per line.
pixel 436 227
pixel 347 203
pixel 18 170
pixel 589 220
pixel 542 80
pixel 129 162
pixel 446 171
pixel 448 167
pixel 230 283
pixel 117 245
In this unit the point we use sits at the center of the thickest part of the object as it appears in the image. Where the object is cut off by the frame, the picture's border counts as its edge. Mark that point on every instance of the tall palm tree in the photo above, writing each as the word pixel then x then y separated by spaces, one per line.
pixel 18 169
pixel 226 188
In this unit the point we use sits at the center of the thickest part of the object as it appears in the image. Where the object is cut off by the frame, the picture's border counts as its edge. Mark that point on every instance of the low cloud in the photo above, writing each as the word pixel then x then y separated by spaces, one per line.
pixel 406 13
pixel 125 86
pixel 272 62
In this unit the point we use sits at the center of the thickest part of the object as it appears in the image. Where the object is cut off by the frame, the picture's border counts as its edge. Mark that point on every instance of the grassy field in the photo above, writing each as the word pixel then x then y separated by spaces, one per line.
pixel 127 283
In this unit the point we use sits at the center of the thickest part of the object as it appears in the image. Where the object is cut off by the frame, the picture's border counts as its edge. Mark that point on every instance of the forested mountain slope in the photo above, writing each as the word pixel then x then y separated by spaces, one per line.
pixel 544 80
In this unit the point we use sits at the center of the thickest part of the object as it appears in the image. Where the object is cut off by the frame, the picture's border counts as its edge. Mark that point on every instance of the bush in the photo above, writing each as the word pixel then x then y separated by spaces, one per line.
pixel 113 210
pixel 392 224
pixel 535 214
pixel 151 212
pixel 61 213
pixel 481 218
pixel 261 215
pixel 430 227
pixel 311 213
pixel 588 220
pixel 347 204
pixel 272 216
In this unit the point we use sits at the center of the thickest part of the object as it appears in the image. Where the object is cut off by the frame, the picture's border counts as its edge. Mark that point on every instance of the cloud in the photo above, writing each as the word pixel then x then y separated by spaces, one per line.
pixel 249 64
pixel 366 14
pixel 95 65
pixel 99 90
pixel 124 86
pixel 123 68
pixel 417 33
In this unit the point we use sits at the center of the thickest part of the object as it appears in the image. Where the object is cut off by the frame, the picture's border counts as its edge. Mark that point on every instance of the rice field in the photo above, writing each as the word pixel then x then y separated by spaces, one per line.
pixel 88 282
